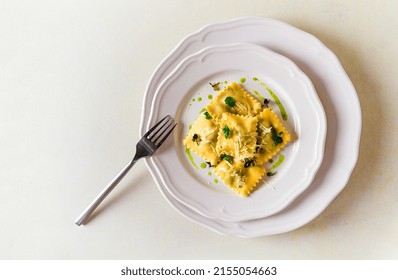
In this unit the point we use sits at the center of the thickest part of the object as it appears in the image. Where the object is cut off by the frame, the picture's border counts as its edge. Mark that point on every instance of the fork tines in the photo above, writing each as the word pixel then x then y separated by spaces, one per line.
pixel 158 133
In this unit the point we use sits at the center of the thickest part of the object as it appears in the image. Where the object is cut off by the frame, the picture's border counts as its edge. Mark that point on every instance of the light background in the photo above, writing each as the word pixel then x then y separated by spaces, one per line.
pixel 72 79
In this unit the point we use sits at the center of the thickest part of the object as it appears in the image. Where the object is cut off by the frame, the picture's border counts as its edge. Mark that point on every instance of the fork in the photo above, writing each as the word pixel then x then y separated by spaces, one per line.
pixel 146 147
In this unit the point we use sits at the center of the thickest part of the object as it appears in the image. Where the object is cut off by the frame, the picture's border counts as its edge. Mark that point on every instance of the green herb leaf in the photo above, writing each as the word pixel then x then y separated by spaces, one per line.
pixel 226 131
pixel 230 101
pixel 226 157
pixel 277 139
pixel 269 174
pixel 207 115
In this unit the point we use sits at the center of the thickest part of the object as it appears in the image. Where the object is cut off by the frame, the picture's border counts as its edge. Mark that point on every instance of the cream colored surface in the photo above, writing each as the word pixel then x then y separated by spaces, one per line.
pixel 72 79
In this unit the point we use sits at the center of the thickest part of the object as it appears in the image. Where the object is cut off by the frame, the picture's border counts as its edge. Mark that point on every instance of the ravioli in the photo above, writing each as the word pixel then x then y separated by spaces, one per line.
pixel 202 139
pixel 272 136
pixel 243 102
pixel 238 176
pixel 237 136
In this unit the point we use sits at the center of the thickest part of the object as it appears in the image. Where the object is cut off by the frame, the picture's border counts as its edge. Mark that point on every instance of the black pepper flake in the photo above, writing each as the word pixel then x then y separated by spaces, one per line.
pixel 196 138
pixel 249 163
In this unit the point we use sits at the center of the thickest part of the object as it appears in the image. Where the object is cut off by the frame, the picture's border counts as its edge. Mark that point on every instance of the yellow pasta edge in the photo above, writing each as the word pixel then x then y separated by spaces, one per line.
pixel 286 138
pixel 251 97
pixel 245 191
pixel 189 144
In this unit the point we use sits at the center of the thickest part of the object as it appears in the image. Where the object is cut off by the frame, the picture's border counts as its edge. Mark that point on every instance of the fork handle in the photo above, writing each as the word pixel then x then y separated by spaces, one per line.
pixel 101 196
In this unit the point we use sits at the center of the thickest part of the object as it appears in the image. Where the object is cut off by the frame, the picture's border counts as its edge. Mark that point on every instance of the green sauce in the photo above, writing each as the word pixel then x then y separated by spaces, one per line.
pixel 203 165
pixel 210 97
pixel 199 99
pixel 215 181
pixel 190 157
pixel 258 95
pixel 209 173
pixel 281 158
pixel 242 80
pixel 279 103
pixel 276 99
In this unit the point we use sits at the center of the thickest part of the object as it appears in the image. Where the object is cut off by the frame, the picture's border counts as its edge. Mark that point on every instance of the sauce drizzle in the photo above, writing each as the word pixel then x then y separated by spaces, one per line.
pixel 190 157
pixel 275 98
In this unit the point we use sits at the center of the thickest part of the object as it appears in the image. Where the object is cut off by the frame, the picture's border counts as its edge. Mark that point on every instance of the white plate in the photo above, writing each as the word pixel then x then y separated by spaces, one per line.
pixel 334 89
pixel 184 93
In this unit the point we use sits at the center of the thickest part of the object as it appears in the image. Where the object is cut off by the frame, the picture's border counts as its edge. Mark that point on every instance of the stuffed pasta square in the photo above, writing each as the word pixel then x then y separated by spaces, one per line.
pixel 238 176
pixel 237 136
pixel 233 99
pixel 272 136
pixel 202 139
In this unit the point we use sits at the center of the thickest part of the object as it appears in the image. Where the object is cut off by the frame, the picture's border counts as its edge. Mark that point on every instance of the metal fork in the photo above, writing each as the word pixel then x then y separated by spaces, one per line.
pixel 148 144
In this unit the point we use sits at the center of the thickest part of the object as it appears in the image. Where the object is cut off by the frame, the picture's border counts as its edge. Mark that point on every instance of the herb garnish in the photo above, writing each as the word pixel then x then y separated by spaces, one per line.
pixel 215 86
pixel 207 115
pixel 226 131
pixel 230 101
pixel 249 163
pixel 269 174
pixel 226 157
pixel 277 138
pixel 196 138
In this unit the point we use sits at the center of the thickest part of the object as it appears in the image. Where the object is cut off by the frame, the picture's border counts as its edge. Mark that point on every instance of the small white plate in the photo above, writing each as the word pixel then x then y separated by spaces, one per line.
pixel 337 94
pixel 185 92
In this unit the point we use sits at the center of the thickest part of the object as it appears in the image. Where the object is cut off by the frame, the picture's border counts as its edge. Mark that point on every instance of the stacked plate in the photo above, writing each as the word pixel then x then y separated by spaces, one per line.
pixel 308 89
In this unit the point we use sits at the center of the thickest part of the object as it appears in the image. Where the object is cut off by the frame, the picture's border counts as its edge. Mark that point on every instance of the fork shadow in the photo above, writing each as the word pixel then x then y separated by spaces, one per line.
pixel 124 190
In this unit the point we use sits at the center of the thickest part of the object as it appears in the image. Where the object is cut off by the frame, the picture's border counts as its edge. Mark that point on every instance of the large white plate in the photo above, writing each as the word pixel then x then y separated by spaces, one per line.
pixel 336 93
pixel 184 93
